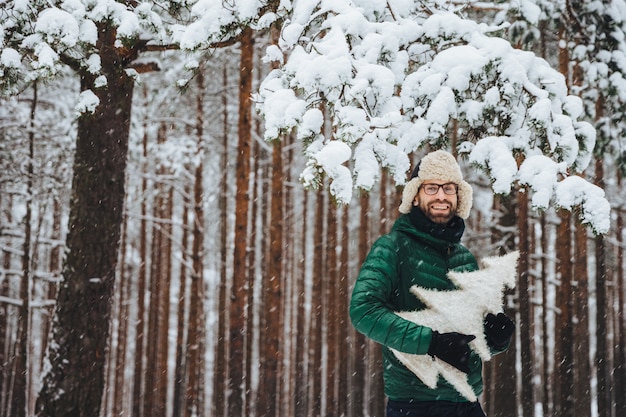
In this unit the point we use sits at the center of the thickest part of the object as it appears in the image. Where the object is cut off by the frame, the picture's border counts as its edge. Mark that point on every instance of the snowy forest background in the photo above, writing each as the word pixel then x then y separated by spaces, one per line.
pixel 153 159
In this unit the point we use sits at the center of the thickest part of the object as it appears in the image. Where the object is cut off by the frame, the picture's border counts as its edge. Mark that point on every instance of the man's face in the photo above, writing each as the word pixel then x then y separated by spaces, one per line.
pixel 439 207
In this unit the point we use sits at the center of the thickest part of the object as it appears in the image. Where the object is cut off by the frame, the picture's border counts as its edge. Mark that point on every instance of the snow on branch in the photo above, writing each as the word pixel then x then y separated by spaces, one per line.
pixel 575 193
pixel 10 301
pixel 391 78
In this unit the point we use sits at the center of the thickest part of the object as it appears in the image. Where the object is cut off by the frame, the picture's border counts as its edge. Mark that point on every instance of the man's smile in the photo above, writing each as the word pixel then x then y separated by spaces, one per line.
pixel 440 206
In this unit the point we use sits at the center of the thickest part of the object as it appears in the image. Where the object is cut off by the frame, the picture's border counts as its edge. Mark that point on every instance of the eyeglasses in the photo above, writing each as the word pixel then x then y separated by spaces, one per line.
pixel 432 189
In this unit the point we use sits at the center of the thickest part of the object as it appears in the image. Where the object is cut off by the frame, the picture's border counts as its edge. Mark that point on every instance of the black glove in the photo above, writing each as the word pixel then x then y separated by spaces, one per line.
pixel 452 348
pixel 498 330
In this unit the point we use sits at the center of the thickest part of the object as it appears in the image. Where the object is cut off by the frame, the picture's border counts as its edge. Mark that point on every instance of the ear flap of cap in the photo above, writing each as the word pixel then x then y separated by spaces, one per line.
pixel 408 195
pixel 465 200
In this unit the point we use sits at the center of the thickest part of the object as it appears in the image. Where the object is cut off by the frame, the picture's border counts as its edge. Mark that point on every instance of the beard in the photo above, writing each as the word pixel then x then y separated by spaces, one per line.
pixel 438 211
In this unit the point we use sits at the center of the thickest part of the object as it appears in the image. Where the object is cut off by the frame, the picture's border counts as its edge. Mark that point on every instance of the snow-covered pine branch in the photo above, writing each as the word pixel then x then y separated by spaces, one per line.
pixel 38 41
pixel 392 77
pixel 597 54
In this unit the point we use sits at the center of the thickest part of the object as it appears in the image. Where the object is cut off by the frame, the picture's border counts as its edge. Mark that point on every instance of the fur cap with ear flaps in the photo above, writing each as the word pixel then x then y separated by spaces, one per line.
pixel 438 166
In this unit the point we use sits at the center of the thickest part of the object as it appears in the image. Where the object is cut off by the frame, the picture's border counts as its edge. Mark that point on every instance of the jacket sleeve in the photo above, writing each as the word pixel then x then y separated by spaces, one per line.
pixel 370 309
pixel 496 351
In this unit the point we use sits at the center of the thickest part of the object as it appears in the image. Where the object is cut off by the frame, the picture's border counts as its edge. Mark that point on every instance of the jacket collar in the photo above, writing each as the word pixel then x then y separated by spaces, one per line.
pixel 416 220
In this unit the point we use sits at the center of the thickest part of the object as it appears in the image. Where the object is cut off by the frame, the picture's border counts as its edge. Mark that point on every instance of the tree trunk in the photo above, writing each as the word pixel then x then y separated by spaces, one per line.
pixel 220 363
pixel 74 383
pixel 525 324
pixel 154 285
pixel 196 344
pixel 19 401
pixel 293 278
pixel 302 337
pixel 138 375
pixel 501 375
pixel 359 376
pixel 330 298
pixel 158 318
pixel 181 371
pixel 546 325
pixel 620 346
pixel 564 354
pixel 255 400
pixel 55 270
pixel 343 319
pixel 377 382
pixel 164 305
pixel 6 361
pixel 602 358
pixel 315 329
pixel 122 310
pixel 582 355
pixel 237 310
pixel 271 374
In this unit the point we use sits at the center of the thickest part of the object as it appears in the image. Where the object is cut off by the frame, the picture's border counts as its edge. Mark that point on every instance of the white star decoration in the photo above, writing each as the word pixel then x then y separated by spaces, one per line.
pixel 462 310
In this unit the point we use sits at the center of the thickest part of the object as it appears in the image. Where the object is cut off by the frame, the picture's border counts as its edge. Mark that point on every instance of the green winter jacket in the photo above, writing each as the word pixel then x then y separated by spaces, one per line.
pixel 409 255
